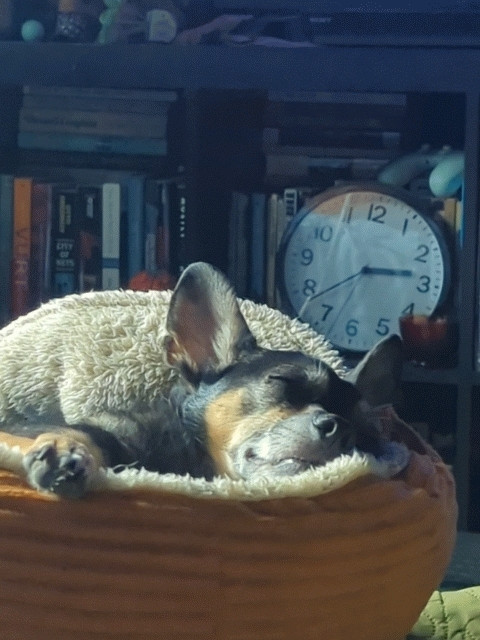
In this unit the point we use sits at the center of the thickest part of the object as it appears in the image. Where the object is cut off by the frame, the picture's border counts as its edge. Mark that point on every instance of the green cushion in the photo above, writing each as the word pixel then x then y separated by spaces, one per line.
pixel 450 615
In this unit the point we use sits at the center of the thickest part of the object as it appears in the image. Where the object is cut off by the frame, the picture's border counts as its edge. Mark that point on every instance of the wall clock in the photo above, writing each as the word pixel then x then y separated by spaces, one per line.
pixel 356 258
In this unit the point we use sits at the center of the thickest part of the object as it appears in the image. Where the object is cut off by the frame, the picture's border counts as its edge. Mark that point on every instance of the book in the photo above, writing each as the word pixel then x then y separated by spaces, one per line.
pixel 238 242
pixel 102 92
pixel 163 228
pixel 136 204
pixel 336 115
pixel 40 254
pixel 6 242
pixel 88 238
pixel 340 97
pixel 92 143
pixel 160 197
pixel 271 248
pixel 92 103
pixel 178 223
pixel 151 221
pixel 257 246
pixel 21 245
pixel 96 123
pixel 63 240
pixel 111 216
pixel 315 137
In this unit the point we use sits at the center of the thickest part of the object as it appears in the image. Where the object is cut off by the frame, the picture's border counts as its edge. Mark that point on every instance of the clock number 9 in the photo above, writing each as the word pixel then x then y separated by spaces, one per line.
pixel 307 257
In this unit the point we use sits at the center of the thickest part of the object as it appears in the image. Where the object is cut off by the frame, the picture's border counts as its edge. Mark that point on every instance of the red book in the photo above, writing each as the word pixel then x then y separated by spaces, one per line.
pixel 88 218
pixel 41 223
pixel 19 284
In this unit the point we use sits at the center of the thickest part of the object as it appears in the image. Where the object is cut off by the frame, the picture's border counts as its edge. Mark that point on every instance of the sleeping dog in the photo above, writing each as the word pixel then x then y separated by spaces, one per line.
pixel 237 410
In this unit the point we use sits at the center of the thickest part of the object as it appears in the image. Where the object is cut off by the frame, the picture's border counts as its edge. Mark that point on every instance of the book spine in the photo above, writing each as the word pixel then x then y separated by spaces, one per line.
pixel 63 260
pixel 6 244
pixel 238 250
pixel 92 144
pixel 135 222
pixel 88 216
pixel 40 243
pixel 178 226
pixel 22 202
pixel 163 229
pixel 152 211
pixel 86 103
pixel 111 214
pixel 272 243
pixel 98 92
pixel 96 123
pixel 257 243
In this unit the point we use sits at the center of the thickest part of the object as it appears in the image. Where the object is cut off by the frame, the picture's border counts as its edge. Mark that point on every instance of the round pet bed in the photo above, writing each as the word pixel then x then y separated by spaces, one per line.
pixel 352 550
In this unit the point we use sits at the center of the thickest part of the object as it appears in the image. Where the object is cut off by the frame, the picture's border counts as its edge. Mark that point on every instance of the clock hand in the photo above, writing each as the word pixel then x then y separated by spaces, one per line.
pixel 337 284
pixel 380 271
pixel 365 270
pixel 333 286
pixel 346 301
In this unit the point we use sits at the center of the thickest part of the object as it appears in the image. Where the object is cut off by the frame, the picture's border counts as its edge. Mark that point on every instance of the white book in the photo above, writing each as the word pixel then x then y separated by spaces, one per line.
pixel 111 212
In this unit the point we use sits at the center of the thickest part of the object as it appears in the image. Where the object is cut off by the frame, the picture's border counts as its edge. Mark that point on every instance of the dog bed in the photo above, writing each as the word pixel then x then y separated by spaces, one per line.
pixel 350 550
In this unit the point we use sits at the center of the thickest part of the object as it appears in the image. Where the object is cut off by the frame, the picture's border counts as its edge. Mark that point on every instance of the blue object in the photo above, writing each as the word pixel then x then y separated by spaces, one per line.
pixel 32 30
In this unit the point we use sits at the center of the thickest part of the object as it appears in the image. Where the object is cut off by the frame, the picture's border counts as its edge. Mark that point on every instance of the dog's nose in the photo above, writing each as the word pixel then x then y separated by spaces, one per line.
pixel 326 424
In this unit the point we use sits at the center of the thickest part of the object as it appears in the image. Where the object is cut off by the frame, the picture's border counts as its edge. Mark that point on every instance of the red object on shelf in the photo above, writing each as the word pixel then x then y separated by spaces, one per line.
pixel 145 281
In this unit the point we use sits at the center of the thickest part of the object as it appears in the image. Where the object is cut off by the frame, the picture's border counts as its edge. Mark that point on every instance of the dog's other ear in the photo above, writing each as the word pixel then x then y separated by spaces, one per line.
pixel 206 329
pixel 378 374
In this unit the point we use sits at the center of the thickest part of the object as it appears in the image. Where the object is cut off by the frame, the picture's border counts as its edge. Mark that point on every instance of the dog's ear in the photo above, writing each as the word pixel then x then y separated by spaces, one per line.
pixel 206 329
pixel 378 374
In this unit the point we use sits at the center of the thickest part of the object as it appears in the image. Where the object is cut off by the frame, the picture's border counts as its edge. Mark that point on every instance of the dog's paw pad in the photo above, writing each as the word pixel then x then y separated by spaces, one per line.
pixel 61 464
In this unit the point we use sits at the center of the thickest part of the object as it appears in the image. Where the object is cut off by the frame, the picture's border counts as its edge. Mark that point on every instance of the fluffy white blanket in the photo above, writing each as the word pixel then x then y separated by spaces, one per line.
pixel 98 357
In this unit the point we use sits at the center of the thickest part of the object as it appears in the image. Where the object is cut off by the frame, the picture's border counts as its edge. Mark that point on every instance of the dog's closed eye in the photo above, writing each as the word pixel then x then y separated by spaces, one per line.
pixel 296 387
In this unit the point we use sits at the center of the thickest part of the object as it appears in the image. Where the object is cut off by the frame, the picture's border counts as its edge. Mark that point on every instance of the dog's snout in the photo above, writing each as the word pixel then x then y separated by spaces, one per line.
pixel 325 423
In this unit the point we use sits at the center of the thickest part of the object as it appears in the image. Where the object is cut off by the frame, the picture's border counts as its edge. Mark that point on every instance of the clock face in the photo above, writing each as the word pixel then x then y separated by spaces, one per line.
pixel 356 260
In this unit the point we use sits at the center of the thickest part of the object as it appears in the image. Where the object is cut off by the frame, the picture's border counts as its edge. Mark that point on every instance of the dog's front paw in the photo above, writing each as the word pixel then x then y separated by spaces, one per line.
pixel 65 463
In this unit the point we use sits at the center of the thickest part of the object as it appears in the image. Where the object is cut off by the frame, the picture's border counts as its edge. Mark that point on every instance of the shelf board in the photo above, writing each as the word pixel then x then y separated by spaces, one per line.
pixel 412 373
pixel 329 68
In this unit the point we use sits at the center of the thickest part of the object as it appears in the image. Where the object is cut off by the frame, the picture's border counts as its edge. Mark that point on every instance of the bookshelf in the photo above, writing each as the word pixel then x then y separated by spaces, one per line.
pixel 428 73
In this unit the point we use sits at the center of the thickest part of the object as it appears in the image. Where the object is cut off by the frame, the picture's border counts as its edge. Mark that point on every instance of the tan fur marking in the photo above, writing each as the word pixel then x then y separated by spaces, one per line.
pixel 227 426
pixel 65 440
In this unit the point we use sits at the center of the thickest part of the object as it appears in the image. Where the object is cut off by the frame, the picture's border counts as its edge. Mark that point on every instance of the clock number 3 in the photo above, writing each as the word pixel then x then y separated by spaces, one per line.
pixel 424 285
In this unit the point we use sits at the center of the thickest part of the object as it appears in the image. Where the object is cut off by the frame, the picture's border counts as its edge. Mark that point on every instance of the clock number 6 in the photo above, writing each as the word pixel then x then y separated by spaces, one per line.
pixel 351 328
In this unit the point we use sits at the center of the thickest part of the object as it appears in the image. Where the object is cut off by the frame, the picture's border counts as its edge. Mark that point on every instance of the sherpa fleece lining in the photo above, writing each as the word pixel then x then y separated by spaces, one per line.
pixel 312 482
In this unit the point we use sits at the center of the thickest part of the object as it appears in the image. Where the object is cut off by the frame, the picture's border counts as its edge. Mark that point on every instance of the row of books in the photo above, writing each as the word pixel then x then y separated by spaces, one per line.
pixel 319 137
pixel 257 222
pixel 97 231
pixel 99 120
